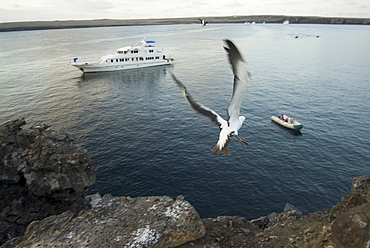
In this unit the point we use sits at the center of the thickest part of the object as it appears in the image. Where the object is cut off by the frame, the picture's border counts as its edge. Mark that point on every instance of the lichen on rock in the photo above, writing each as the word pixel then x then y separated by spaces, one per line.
pixel 119 222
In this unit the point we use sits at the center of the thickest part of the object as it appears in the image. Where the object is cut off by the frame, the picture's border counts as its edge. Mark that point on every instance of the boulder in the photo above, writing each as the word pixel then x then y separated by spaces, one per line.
pixel 120 222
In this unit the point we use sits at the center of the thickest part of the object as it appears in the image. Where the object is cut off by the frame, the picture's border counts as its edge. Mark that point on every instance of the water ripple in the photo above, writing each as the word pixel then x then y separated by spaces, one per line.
pixel 145 139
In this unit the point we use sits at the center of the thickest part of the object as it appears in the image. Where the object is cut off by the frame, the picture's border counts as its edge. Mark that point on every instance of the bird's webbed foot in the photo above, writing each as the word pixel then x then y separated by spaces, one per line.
pixel 242 142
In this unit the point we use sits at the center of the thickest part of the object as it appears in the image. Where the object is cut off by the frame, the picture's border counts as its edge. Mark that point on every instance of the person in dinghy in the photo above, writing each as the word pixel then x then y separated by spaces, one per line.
pixel 286 119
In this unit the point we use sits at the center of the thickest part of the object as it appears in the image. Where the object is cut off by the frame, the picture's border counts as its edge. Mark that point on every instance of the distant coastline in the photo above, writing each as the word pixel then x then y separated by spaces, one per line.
pixel 42 25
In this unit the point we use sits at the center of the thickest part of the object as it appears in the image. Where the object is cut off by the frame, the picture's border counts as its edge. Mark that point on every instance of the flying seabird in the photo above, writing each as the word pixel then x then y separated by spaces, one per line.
pixel 203 22
pixel 230 127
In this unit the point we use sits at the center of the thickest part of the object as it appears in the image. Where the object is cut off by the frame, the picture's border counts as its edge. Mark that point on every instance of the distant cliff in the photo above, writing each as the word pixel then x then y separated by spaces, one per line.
pixel 40 25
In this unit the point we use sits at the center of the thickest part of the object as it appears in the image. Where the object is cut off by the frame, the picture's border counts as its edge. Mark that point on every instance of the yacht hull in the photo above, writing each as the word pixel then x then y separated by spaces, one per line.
pixel 93 67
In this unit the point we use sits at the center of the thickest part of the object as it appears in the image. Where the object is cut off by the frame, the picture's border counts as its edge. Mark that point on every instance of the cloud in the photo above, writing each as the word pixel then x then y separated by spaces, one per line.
pixel 23 10
pixel 91 4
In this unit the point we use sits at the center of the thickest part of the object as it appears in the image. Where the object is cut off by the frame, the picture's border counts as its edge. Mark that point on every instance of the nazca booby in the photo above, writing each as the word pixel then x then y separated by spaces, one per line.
pixel 230 127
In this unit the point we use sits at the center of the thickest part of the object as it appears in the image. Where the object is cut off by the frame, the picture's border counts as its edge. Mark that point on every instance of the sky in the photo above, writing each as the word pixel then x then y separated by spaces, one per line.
pixel 50 10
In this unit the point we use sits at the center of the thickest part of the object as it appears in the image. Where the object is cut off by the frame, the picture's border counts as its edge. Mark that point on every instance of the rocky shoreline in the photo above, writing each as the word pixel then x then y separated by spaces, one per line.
pixel 42 25
pixel 45 174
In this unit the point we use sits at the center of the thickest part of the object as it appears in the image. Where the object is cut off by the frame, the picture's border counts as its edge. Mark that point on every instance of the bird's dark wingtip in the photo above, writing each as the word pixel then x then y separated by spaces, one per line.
pixel 226 47
pixel 229 43
pixel 179 84
pixel 232 50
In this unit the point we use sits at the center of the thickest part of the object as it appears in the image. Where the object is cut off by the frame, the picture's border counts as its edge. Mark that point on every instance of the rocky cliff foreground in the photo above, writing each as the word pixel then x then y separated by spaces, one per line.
pixel 43 180
pixel 42 173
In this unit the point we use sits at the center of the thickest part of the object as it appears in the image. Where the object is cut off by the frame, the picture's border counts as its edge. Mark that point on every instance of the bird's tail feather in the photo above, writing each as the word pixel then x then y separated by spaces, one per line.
pixel 218 150
pixel 221 146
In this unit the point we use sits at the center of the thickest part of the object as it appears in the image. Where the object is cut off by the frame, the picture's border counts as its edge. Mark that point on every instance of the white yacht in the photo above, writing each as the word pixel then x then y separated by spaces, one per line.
pixel 143 54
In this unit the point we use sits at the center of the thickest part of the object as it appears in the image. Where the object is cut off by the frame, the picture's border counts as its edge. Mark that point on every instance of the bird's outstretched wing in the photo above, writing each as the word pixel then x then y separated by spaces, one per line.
pixel 242 78
pixel 200 107
pixel 224 137
pixel 241 83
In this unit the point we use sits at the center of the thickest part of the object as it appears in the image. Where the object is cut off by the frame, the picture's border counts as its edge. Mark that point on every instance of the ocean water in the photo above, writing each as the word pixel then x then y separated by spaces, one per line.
pixel 145 139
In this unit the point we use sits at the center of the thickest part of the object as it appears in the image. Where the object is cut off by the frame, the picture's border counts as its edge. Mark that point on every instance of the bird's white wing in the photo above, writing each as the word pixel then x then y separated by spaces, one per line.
pixel 224 136
pixel 242 78
pixel 241 83
pixel 200 107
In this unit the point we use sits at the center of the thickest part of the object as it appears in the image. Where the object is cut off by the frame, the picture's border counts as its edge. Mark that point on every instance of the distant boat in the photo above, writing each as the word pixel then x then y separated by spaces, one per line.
pixel 143 54
pixel 287 122
pixel 286 22
pixel 247 23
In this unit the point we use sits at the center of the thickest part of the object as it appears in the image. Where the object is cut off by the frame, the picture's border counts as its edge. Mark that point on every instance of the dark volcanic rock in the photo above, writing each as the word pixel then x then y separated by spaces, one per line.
pixel 346 225
pixel 360 194
pixel 41 173
pixel 120 222
pixel 352 227
pixel 226 231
